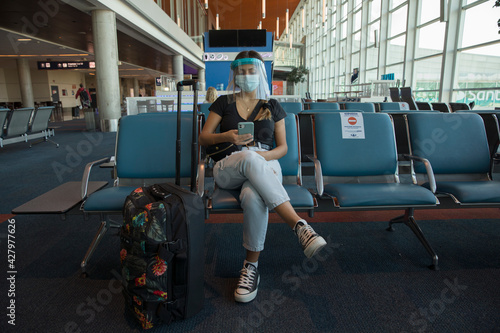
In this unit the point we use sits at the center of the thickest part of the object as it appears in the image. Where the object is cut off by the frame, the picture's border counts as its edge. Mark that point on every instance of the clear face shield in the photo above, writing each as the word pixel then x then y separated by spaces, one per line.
pixel 248 75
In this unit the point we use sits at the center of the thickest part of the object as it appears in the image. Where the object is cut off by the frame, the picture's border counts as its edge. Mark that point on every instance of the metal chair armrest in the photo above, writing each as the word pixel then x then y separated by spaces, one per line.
pixel 318 174
pixel 428 169
pixel 201 179
pixel 86 175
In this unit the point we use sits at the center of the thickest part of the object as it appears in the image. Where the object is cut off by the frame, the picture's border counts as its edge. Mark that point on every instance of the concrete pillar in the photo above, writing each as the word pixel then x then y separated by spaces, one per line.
pixel 136 87
pixel 454 29
pixel 178 63
pixel 201 79
pixel 23 68
pixel 106 60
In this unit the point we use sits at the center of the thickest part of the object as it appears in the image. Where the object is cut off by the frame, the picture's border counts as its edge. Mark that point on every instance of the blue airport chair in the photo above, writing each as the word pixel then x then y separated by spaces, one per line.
pixel 363 107
pixel 459 107
pixel 292 107
pixel 17 126
pixel 203 108
pixel 323 106
pixel 492 126
pixel 4 113
pixel 401 130
pixel 395 94
pixel 407 96
pixel 394 106
pixel 362 173
pixel 144 155
pixel 301 199
pixel 459 155
pixel 441 107
pixel 40 124
pixel 424 105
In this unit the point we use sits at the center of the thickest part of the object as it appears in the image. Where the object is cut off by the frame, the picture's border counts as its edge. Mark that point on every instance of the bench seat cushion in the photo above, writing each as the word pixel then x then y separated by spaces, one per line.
pixel 385 194
pixel 110 199
pixel 300 197
pixel 471 192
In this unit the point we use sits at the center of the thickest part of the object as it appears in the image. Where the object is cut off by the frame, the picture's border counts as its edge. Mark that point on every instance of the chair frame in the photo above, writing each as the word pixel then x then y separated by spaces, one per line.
pixel 407 218
pixel 40 126
pixel 17 126
pixel 439 177
pixel 131 183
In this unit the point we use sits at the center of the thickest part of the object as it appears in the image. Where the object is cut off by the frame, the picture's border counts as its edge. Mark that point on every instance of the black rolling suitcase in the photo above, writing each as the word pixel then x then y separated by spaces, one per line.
pixel 162 241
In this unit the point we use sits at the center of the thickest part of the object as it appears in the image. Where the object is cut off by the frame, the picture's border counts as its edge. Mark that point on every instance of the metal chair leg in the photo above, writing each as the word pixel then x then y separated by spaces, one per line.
pixel 412 224
pixel 408 219
pixel 97 239
pixel 45 139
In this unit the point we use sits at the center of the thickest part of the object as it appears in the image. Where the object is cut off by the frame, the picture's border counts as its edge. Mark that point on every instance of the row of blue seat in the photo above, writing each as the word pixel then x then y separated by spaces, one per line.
pixel 298 107
pixel 25 124
pixel 449 155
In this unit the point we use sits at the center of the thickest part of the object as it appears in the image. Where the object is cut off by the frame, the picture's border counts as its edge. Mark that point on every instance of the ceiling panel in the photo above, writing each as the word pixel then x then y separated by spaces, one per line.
pixel 246 14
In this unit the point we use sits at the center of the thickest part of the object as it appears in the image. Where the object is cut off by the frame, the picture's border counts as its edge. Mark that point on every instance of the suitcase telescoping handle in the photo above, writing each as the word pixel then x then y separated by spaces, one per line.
pixel 194 147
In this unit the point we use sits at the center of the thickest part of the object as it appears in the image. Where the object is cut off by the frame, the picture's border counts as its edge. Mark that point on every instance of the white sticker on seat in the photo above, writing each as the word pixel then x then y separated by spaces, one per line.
pixel 352 125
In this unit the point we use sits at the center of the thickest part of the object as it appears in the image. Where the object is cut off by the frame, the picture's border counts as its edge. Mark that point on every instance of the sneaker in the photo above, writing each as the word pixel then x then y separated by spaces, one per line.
pixel 248 284
pixel 311 242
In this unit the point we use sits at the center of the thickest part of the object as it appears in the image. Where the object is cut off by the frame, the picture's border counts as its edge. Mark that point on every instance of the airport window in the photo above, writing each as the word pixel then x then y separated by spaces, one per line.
pixel 354 62
pixel 343 12
pixel 480 24
pixel 430 39
pixel 396 3
pixel 427 78
pixel 343 30
pixel 430 10
pixel 376 42
pixel 374 8
pixel 357 21
pixel 371 58
pixel 397 23
pixel 396 69
pixel 356 42
pixel 371 75
pixel 396 50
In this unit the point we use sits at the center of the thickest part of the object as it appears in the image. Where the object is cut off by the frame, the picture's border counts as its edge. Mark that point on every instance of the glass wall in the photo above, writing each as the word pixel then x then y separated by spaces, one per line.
pixel 454 60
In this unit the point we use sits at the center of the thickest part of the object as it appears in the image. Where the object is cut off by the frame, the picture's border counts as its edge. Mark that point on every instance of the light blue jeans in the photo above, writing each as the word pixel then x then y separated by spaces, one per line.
pixel 261 191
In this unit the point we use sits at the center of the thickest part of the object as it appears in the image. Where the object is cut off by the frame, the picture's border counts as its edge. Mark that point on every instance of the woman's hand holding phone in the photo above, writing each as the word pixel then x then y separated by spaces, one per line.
pixel 239 140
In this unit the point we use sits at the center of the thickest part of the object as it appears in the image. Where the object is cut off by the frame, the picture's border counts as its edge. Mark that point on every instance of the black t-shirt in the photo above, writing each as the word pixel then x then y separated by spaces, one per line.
pixel 263 129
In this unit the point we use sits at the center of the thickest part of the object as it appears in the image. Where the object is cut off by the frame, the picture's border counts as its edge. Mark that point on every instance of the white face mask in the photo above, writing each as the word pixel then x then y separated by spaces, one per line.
pixel 247 83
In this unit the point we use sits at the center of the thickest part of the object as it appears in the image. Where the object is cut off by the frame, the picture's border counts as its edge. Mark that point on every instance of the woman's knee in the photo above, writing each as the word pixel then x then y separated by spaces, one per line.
pixel 250 199
pixel 250 157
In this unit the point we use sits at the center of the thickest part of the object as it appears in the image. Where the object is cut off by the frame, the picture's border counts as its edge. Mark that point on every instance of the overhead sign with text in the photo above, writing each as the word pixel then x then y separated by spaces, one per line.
pixel 66 64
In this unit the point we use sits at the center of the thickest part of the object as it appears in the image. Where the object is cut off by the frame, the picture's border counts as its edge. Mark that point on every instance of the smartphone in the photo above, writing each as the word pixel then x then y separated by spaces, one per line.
pixel 245 128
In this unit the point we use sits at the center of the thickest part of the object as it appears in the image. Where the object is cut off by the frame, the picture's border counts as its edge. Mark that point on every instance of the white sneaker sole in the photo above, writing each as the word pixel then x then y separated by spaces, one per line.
pixel 314 247
pixel 245 298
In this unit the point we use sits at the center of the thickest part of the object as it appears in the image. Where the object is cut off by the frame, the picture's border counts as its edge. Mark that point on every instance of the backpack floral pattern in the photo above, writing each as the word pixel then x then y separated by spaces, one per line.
pixel 143 271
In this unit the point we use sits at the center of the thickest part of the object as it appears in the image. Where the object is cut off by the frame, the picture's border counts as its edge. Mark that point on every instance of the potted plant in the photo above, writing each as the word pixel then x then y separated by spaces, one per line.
pixel 297 75
pixel 497 4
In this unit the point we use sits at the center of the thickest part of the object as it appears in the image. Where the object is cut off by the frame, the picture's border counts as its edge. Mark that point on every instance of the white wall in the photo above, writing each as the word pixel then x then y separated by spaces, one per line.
pixel 41 81
pixel 66 80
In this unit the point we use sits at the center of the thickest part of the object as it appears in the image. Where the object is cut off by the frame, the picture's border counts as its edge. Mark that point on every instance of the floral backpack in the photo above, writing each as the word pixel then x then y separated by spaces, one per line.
pixel 154 256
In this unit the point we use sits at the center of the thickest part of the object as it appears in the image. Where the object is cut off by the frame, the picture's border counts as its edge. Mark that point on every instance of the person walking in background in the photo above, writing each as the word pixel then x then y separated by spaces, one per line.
pixel 254 169
pixel 84 95
pixel 211 95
